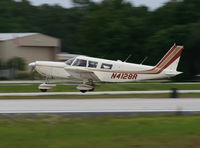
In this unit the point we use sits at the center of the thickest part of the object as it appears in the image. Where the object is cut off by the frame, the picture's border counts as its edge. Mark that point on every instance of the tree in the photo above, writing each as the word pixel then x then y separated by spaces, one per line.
pixel 113 29
pixel 16 63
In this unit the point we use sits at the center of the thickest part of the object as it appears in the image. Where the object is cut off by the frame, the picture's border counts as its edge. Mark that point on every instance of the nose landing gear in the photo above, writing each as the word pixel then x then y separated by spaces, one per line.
pixel 45 86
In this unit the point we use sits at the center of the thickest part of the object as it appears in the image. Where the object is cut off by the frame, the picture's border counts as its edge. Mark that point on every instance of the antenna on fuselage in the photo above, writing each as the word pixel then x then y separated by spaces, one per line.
pixel 128 57
pixel 143 60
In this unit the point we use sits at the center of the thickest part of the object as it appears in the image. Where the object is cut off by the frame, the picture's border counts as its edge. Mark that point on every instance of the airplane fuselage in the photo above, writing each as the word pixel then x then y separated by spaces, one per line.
pixel 118 72
pixel 89 69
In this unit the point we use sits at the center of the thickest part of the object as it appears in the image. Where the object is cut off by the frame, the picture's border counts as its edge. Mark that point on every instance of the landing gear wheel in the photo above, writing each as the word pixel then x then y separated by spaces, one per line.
pixel 43 90
pixel 83 91
pixel 45 86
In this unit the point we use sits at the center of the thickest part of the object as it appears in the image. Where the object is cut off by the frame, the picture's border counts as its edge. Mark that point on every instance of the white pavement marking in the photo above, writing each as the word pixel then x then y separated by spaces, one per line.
pixel 24 82
pixel 97 93
pixel 98 105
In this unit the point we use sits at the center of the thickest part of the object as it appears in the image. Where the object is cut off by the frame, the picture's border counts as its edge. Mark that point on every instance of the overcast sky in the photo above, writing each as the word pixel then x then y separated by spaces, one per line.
pixel 152 4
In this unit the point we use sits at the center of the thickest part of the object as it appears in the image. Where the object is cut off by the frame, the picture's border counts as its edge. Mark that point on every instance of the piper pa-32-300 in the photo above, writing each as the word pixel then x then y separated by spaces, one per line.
pixel 90 70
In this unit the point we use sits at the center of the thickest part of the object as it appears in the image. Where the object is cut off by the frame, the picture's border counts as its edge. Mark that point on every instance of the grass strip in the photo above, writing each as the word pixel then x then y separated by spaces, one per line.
pixel 105 131
pixel 7 88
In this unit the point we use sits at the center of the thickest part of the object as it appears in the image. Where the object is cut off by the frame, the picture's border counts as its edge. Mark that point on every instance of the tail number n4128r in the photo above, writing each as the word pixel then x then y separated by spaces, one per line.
pixel 124 76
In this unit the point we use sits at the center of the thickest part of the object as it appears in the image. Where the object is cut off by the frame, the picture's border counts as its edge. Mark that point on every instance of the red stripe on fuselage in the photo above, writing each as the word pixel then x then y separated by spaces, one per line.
pixel 167 64
pixel 166 55
pixel 158 69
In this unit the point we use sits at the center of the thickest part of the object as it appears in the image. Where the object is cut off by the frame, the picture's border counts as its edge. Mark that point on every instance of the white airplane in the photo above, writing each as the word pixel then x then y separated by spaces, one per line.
pixel 90 70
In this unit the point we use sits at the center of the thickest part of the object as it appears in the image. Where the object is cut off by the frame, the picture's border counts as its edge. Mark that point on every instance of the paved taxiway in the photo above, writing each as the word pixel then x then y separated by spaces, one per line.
pixel 97 93
pixel 80 106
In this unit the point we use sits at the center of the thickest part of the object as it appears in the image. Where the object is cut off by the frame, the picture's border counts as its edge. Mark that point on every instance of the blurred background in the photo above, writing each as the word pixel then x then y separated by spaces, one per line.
pixel 112 29
pixel 56 30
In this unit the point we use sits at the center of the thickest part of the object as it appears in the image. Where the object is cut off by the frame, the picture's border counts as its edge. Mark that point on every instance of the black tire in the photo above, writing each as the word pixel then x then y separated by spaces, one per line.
pixel 43 90
pixel 83 91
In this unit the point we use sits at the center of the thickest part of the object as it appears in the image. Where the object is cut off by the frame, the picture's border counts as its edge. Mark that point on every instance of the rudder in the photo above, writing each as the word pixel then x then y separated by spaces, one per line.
pixel 171 59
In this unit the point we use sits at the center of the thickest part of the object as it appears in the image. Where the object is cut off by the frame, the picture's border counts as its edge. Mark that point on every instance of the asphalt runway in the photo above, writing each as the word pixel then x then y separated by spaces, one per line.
pixel 98 106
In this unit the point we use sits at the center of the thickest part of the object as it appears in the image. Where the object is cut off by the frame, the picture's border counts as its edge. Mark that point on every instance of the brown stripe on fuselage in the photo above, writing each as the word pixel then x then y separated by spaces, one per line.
pixel 166 55
pixel 176 51
pixel 168 63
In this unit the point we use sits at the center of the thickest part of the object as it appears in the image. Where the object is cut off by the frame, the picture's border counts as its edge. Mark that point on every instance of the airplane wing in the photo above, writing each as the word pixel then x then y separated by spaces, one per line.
pixel 80 73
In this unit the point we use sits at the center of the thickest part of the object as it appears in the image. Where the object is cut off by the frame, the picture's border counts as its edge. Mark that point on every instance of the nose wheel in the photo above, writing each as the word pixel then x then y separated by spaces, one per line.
pixel 43 90
pixel 44 87
pixel 83 91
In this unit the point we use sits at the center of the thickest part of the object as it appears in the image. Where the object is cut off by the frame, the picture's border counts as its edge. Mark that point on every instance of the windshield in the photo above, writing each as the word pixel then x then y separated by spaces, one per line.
pixel 70 61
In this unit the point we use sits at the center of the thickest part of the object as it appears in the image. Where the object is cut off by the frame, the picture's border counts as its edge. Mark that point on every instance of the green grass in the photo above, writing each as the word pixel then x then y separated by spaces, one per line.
pixel 6 88
pixel 98 132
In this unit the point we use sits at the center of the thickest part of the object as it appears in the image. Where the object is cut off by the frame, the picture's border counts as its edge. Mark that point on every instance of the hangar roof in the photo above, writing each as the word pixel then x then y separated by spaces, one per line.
pixel 10 36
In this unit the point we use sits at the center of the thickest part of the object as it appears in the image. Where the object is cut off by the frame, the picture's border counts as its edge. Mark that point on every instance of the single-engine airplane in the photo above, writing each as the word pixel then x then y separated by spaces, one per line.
pixel 90 70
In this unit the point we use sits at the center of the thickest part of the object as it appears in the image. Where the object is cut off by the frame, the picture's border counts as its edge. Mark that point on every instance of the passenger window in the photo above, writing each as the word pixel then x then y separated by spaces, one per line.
pixel 106 66
pixel 92 64
pixel 80 62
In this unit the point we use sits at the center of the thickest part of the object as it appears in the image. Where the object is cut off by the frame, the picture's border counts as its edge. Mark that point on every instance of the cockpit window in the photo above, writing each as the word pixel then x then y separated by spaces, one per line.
pixel 80 62
pixel 106 66
pixel 92 64
pixel 70 61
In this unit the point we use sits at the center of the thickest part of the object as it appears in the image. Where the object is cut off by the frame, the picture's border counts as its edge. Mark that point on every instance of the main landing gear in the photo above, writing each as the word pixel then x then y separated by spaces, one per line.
pixel 87 85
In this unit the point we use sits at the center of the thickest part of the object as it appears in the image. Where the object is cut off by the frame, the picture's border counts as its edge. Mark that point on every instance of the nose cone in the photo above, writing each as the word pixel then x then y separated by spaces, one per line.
pixel 32 65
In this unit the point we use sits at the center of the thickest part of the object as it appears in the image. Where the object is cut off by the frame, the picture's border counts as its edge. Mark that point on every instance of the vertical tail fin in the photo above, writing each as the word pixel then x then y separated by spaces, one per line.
pixel 171 59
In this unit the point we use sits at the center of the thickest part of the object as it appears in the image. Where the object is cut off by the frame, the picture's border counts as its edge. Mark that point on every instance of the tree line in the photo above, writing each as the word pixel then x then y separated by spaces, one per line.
pixel 114 29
